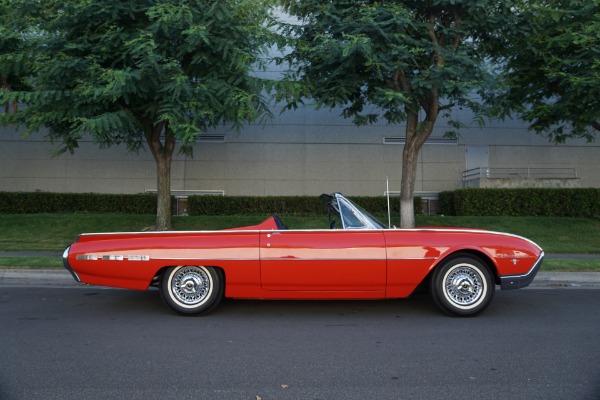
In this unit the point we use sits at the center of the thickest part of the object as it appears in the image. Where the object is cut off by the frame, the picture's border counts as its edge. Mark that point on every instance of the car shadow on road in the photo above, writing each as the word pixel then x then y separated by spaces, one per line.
pixel 100 301
pixel 110 301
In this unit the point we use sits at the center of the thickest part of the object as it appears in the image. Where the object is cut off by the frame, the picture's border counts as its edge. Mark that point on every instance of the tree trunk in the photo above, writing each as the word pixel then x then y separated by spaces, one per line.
pixel 163 192
pixel 163 155
pixel 415 139
pixel 410 158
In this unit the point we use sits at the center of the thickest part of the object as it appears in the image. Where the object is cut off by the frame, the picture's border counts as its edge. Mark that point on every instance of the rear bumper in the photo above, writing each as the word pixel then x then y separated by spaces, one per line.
pixel 520 281
pixel 67 266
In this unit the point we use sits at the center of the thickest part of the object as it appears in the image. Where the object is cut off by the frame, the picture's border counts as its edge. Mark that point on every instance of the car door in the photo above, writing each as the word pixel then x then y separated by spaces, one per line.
pixel 324 261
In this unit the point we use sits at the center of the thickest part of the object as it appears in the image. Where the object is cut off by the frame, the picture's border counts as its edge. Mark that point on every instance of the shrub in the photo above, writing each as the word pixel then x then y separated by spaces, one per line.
pixel 522 202
pixel 241 205
pixel 296 205
pixel 42 202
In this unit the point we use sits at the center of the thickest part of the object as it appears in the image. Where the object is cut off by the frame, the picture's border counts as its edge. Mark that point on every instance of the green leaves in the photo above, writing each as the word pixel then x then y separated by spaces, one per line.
pixel 551 72
pixel 390 54
pixel 133 72
pixel 101 66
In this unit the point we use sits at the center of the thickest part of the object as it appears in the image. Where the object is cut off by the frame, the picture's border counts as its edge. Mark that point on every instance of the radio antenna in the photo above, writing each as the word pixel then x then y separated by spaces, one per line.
pixel 387 191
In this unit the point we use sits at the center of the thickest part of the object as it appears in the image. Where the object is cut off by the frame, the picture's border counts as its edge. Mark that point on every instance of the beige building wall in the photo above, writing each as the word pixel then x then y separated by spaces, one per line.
pixel 306 152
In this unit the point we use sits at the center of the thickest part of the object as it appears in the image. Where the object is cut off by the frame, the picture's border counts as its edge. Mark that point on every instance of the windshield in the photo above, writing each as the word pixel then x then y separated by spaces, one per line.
pixel 368 216
pixel 351 215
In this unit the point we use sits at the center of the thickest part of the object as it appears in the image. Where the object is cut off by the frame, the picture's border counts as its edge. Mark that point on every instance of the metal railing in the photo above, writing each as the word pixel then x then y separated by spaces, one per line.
pixel 187 193
pixel 520 173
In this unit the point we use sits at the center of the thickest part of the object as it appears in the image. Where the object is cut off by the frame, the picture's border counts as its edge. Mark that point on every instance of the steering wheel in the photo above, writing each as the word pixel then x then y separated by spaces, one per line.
pixel 280 225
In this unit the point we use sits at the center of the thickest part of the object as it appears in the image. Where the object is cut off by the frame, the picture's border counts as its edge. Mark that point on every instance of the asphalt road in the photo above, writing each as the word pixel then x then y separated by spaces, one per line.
pixel 92 343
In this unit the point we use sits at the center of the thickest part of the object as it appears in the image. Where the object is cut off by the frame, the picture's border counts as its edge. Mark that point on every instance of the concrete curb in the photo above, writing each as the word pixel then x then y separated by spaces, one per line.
pixel 566 279
pixel 62 278
pixel 36 277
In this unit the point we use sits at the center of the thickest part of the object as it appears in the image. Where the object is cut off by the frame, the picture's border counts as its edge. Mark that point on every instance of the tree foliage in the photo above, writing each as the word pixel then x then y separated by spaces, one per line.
pixel 550 68
pixel 400 61
pixel 151 72
pixel 14 56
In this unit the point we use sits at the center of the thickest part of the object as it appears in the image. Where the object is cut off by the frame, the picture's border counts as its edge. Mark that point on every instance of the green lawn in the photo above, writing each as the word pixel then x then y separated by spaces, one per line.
pixel 53 232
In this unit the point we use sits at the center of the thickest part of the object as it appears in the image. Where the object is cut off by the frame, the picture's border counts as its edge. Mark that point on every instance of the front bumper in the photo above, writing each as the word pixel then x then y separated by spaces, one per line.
pixel 67 266
pixel 520 281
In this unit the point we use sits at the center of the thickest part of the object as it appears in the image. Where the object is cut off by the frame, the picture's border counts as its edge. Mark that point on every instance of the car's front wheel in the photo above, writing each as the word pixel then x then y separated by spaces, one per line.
pixel 462 286
pixel 191 289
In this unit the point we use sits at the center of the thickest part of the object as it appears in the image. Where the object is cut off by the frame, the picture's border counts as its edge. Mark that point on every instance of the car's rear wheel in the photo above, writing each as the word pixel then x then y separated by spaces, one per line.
pixel 191 289
pixel 462 286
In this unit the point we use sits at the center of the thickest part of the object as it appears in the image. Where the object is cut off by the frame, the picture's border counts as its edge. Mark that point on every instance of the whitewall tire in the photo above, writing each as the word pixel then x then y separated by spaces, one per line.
pixel 462 285
pixel 191 289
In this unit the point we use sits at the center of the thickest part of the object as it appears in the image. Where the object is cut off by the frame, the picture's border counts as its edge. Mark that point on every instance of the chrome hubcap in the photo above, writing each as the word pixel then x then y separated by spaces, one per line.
pixel 190 285
pixel 464 285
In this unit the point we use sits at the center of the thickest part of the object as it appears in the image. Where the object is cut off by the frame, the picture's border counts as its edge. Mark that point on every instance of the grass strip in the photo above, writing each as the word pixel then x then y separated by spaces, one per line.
pixel 31 262
pixel 571 265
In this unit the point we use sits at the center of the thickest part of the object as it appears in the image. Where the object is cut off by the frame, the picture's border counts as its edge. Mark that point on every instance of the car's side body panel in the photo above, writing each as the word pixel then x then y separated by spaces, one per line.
pixel 132 260
pixel 413 253
pixel 292 264
pixel 324 261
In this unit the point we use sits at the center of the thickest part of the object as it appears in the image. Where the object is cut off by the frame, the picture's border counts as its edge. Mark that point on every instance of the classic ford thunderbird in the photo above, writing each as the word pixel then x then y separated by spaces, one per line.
pixel 357 258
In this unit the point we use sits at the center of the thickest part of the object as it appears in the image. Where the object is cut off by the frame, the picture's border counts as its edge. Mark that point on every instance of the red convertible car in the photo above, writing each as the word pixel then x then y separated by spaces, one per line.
pixel 358 258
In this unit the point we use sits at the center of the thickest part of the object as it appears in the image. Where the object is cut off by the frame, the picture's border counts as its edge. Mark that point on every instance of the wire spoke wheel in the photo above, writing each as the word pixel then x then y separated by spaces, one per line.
pixel 462 285
pixel 191 289
pixel 190 285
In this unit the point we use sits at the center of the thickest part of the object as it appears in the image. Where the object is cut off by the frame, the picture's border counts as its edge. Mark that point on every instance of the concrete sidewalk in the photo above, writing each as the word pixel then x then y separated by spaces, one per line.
pixel 62 278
